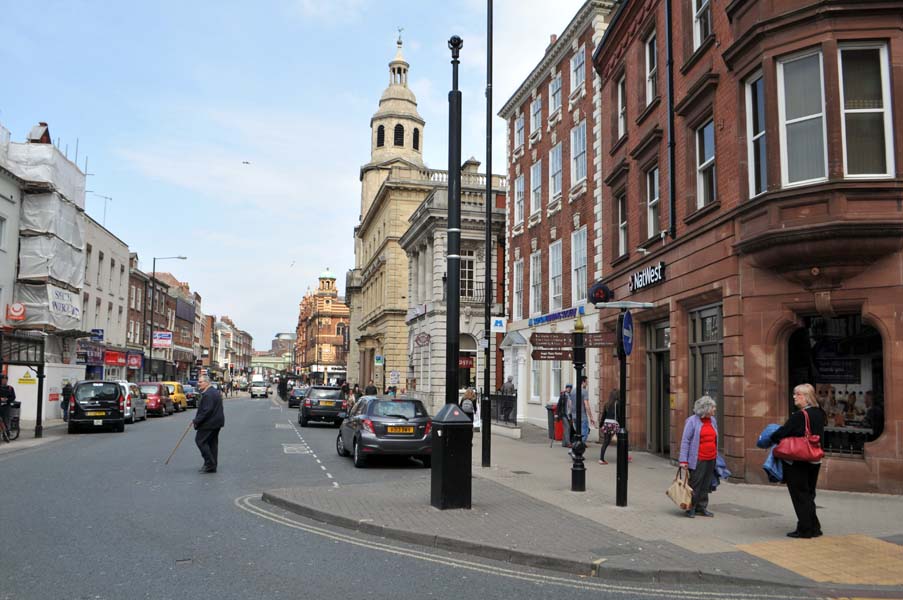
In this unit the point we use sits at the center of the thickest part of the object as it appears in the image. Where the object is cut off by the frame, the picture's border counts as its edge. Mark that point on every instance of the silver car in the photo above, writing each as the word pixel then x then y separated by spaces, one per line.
pixel 135 405
pixel 259 388
pixel 378 426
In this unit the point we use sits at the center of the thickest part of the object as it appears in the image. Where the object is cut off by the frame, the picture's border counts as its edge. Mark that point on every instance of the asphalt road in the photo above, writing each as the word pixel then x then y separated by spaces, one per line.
pixel 98 515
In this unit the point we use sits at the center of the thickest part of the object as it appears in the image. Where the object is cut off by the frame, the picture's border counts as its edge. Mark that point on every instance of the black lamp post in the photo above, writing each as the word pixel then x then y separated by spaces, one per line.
pixel 487 306
pixel 154 297
pixel 453 301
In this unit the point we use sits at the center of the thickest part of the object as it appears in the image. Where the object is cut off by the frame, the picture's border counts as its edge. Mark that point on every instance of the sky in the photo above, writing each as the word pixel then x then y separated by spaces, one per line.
pixel 168 100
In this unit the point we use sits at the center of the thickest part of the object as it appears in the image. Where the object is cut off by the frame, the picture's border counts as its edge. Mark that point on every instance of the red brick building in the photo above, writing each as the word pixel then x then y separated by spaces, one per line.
pixel 553 222
pixel 753 193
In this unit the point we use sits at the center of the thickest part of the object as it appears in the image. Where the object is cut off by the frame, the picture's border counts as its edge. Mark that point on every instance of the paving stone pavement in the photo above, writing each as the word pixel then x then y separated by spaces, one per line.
pixel 524 512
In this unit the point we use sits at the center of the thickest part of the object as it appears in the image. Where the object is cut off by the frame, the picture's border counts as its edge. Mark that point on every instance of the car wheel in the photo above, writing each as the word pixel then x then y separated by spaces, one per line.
pixel 71 428
pixel 340 445
pixel 119 427
pixel 302 419
pixel 131 419
pixel 427 461
pixel 357 458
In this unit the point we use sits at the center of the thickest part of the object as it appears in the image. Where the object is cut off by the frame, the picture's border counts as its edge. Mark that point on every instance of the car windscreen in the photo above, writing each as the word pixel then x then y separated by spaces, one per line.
pixel 149 389
pixel 258 384
pixel 97 391
pixel 171 388
pixel 317 394
pixel 409 409
pixel 297 393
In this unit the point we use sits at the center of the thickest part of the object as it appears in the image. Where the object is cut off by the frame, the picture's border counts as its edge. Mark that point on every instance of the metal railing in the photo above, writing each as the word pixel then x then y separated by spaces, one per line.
pixel 472 292
pixel 503 409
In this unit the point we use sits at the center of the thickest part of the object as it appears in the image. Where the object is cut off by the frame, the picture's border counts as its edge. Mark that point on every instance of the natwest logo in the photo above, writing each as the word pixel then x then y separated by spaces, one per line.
pixel 647 277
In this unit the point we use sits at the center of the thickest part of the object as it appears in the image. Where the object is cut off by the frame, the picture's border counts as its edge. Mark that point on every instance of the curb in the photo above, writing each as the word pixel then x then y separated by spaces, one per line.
pixel 529 559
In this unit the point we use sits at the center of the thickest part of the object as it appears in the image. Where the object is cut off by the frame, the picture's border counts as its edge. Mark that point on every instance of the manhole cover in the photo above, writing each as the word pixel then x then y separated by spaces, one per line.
pixel 295 449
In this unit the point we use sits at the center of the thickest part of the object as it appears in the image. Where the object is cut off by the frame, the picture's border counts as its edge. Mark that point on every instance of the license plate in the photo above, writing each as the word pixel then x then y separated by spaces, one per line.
pixel 95 413
pixel 391 429
pixel 98 421
pixel 326 403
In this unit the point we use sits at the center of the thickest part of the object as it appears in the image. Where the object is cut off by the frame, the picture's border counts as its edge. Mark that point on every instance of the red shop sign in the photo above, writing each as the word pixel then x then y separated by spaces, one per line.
pixel 134 361
pixel 465 362
pixel 114 359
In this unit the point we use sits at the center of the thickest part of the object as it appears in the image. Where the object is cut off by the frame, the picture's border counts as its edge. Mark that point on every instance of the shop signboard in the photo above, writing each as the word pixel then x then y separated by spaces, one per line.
pixel 162 339
pixel 89 354
pixel 113 358
pixel 465 362
pixel 134 360
pixel 647 277
pixel 15 312
pixel 97 335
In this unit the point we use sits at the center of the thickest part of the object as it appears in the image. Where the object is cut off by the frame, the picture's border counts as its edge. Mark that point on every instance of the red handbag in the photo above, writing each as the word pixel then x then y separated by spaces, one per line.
pixel 806 448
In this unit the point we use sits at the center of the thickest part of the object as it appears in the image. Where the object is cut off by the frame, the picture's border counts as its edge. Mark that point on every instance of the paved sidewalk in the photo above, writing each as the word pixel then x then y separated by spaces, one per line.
pixel 54 431
pixel 524 512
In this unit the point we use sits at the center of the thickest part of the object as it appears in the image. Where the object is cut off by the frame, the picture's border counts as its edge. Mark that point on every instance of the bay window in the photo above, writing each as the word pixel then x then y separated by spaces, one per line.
pixel 755 135
pixel 801 101
pixel 865 106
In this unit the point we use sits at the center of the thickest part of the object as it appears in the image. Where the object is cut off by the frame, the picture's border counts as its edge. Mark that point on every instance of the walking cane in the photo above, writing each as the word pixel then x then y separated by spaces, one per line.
pixel 178 443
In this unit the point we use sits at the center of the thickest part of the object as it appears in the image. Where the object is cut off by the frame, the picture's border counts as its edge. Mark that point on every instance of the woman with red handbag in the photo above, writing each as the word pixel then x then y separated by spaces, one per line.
pixel 799 439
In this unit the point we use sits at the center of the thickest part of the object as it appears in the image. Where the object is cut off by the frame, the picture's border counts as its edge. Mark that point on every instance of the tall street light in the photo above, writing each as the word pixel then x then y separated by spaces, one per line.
pixel 153 298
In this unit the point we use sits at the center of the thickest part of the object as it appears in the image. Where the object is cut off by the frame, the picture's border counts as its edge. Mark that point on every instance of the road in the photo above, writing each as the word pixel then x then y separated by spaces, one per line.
pixel 98 515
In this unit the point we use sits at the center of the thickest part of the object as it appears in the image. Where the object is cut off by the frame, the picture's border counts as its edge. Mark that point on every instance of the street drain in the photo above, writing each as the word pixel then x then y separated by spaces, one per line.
pixel 183 562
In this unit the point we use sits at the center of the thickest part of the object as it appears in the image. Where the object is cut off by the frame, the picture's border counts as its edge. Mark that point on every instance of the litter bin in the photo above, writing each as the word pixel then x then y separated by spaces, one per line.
pixel 450 484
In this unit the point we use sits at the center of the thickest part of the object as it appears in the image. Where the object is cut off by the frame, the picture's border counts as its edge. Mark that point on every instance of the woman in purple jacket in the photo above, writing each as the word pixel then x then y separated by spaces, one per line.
pixel 699 452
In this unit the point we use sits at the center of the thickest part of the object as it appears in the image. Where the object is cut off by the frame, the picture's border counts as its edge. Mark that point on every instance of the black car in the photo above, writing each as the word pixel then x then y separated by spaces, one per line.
pixel 321 403
pixel 97 404
pixel 295 398
pixel 191 395
pixel 386 426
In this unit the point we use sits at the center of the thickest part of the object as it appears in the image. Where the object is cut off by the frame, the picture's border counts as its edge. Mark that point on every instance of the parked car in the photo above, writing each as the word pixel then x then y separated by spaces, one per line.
pixel 96 404
pixel 192 395
pixel 177 394
pixel 259 388
pixel 135 405
pixel 322 403
pixel 295 398
pixel 156 395
pixel 378 426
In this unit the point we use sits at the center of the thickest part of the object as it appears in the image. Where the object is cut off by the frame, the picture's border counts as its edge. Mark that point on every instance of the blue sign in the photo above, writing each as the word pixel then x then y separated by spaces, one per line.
pixel 627 333
pixel 570 313
pixel 97 335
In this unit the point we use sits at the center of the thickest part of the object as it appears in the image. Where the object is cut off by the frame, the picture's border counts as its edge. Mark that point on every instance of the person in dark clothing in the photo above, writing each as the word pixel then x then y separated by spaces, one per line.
pixel 7 397
pixel 608 425
pixel 801 477
pixel 208 421
pixel 282 388
pixel 563 412
pixel 370 390
pixel 64 401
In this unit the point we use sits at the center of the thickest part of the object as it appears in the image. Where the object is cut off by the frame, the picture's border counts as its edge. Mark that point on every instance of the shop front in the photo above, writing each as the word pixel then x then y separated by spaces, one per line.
pixel 134 364
pixel 92 356
pixel 115 364
pixel 745 326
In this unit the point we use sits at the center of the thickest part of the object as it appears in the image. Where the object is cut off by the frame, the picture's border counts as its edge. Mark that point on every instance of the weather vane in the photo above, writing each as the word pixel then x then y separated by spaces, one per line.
pixel 400 29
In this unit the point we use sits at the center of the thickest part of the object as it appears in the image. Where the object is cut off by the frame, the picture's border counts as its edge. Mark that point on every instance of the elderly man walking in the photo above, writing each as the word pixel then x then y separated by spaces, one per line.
pixel 208 420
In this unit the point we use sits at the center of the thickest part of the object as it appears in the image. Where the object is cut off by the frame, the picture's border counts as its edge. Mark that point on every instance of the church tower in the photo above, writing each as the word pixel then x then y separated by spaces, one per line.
pixel 396 127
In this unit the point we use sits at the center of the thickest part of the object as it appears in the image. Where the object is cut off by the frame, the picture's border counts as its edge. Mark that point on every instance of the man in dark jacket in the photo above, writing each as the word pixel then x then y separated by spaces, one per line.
pixel 7 397
pixel 371 389
pixel 208 420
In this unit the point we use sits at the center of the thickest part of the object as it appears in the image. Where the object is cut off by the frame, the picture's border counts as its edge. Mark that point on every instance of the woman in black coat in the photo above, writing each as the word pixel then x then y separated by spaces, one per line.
pixel 801 477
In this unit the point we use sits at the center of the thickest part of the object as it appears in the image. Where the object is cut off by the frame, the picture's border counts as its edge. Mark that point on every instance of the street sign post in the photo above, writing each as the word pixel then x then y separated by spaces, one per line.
pixel 551 340
pixel 552 354
pixel 599 339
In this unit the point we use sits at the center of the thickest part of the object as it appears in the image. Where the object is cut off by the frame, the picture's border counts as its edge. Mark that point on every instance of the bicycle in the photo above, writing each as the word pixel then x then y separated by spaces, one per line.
pixel 12 432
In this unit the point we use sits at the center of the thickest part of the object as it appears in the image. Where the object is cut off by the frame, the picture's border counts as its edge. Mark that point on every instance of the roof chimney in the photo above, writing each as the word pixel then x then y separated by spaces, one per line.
pixel 552 39
pixel 39 134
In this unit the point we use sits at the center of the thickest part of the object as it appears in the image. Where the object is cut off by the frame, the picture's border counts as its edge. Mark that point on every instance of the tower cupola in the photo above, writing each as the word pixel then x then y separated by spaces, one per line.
pixel 397 127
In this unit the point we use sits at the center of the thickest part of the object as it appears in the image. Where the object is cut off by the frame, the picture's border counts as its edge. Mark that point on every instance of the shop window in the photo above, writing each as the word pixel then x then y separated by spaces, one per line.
pixel 842 357
pixel 707 359
pixel 535 381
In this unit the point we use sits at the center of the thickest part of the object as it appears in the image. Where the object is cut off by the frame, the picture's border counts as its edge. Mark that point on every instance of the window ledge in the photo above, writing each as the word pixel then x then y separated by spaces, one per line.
pixel 701 212
pixel 578 190
pixel 617 145
pixel 536 135
pixel 518 152
pixel 620 259
pixel 554 206
pixel 554 118
pixel 534 219
pixel 517 229
pixel 707 43
pixel 576 96
pixel 650 108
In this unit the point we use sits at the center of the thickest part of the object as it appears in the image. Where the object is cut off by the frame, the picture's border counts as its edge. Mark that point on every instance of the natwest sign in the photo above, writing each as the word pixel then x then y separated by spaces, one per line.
pixel 651 275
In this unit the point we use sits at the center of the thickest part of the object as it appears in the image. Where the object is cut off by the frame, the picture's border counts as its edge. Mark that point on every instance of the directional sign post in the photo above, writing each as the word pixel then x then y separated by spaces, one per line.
pixel 552 354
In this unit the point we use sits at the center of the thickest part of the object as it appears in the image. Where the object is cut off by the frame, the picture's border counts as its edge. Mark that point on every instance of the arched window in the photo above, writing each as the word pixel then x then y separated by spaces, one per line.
pixel 399 135
pixel 416 139
pixel 380 136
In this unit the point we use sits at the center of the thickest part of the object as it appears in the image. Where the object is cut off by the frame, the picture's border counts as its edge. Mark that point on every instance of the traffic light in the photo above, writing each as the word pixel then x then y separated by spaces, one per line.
pixel 599 292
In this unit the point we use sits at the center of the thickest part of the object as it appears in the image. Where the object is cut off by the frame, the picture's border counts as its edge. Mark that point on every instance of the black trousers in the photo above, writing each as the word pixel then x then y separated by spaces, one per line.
pixel 701 481
pixel 207 441
pixel 801 478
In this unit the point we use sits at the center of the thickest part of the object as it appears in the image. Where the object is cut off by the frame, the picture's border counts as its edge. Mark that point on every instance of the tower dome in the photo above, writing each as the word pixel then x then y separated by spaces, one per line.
pixel 397 127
